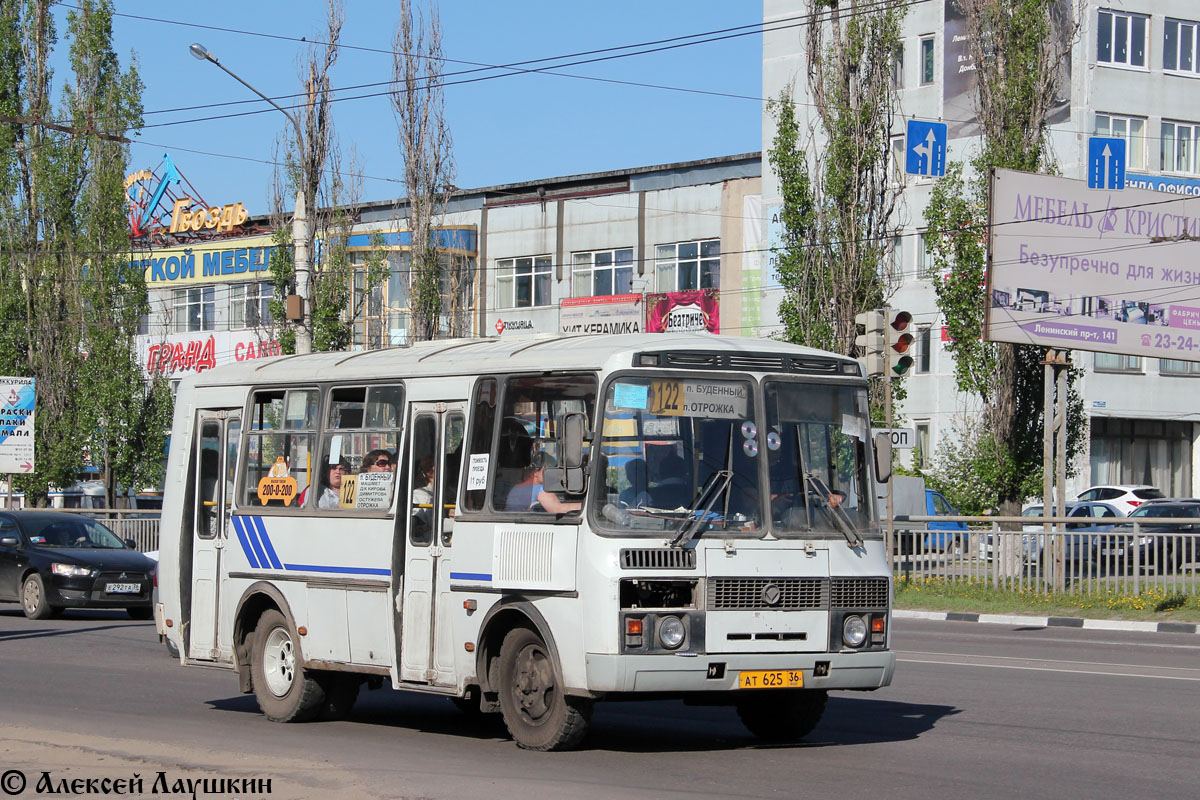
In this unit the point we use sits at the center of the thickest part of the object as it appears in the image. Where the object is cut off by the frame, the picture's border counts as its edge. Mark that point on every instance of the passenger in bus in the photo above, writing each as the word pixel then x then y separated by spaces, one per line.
pixel 531 494
pixel 673 489
pixel 422 499
pixel 378 460
pixel 332 481
pixel 636 494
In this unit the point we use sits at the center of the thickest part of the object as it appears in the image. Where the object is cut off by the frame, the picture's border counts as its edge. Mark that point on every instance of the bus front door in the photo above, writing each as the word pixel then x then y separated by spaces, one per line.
pixel 213 458
pixel 434 455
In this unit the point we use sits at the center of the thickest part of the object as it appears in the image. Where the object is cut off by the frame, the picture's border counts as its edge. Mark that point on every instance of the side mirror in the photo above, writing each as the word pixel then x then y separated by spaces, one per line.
pixel 883 456
pixel 9 541
pixel 569 477
pixel 131 544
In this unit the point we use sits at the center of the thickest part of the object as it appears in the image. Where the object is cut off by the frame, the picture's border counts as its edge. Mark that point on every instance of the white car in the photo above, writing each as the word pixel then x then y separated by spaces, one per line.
pixel 1124 497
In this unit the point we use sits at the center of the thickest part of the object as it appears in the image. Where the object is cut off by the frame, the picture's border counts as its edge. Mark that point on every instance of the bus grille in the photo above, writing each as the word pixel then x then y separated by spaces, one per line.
pixel 658 558
pixel 771 594
pixel 859 593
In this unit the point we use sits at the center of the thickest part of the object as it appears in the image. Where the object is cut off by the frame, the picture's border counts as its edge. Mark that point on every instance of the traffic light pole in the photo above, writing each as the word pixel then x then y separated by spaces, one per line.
pixel 890 531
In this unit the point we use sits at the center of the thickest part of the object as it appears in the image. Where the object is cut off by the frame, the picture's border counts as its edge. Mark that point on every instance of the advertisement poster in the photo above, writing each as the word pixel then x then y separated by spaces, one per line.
pixel 607 314
pixel 678 312
pixel 1093 269
pixel 179 354
pixel 16 424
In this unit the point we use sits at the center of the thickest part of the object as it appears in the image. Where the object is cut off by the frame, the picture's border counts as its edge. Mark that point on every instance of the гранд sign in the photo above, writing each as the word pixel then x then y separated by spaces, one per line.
pixel 16 424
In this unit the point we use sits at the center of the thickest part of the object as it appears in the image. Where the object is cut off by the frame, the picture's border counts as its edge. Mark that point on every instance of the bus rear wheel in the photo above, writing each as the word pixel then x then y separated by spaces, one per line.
pixel 285 691
pixel 778 716
pixel 536 711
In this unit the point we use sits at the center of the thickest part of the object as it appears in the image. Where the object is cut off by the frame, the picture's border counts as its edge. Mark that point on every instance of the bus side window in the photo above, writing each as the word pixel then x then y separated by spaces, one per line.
pixel 361 436
pixel 452 447
pixel 279 440
pixel 479 454
pixel 422 467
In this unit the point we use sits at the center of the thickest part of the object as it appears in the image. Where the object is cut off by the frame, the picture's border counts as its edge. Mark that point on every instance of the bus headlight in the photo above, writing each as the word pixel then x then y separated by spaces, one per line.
pixel 671 632
pixel 854 631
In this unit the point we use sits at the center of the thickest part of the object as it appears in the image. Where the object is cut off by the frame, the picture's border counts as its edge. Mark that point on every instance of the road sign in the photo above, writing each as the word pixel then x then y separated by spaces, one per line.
pixel 1106 163
pixel 902 438
pixel 925 146
pixel 16 425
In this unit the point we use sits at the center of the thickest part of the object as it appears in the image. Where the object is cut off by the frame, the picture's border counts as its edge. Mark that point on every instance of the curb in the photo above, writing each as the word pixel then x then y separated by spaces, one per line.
pixel 1052 622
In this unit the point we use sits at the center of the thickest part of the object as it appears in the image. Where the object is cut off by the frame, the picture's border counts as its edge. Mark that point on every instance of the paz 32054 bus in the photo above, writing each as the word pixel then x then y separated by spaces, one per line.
pixel 529 525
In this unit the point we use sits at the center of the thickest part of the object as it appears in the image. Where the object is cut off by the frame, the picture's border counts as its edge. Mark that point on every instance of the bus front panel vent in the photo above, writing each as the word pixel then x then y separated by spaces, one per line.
pixel 658 558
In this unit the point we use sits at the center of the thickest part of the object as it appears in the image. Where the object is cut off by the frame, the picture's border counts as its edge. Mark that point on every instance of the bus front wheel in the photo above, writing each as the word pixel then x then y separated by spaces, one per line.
pixel 536 711
pixel 778 716
pixel 284 690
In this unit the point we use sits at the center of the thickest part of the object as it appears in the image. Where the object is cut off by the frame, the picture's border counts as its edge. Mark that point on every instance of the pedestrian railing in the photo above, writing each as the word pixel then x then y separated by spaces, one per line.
pixel 1128 558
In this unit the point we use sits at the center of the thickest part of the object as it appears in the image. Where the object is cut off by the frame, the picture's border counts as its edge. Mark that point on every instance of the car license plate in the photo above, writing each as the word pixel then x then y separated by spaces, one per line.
pixel 771 679
pixel 123 588
pixel 1111 551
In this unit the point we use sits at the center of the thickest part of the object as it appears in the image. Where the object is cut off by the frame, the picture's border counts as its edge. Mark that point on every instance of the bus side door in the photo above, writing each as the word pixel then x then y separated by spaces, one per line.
pixel 213 455
pixel 434 455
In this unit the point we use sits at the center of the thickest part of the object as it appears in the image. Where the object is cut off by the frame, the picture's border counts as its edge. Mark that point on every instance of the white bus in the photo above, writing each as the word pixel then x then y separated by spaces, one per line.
pixel 527 525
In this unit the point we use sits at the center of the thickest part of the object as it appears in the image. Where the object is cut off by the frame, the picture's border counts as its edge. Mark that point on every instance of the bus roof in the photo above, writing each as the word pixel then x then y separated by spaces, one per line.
pixel 529 353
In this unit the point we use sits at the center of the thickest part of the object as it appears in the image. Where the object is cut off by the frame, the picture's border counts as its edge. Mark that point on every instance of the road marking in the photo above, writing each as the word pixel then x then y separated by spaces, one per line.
pixel 1050 665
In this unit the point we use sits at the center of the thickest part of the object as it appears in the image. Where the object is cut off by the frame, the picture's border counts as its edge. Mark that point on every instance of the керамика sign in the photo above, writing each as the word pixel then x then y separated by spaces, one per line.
pixel 1075 268
pixel 16 424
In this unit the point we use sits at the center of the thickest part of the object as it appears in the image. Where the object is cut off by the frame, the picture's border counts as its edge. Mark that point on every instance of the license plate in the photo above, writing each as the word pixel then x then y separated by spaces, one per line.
pixel 1111 551
pixel 123 588
pixel 771 679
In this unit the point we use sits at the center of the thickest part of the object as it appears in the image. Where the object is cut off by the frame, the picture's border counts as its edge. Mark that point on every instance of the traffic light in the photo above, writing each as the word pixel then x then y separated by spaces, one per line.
pixel 899 343
pixel 872 342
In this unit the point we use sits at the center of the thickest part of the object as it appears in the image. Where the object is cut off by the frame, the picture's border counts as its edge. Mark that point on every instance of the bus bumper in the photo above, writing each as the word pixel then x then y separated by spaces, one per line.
pixel 716 673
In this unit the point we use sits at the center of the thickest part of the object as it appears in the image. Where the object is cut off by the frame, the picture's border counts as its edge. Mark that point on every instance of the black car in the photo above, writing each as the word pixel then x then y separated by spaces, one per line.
pixel 1161 546
pixel 50 560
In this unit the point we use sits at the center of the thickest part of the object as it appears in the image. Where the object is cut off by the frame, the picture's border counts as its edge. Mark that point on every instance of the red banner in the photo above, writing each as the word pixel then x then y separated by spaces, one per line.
pixel 676 312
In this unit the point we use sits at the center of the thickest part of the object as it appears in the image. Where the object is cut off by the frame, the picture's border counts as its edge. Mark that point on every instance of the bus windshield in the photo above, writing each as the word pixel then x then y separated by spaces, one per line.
pixel 676 451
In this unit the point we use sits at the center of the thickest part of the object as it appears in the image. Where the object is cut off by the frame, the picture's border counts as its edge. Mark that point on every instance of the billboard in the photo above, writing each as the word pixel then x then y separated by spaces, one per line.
pixel 677 312
pixel 16 424
pixel 606 314
pixel 179 354
pixel 1093 269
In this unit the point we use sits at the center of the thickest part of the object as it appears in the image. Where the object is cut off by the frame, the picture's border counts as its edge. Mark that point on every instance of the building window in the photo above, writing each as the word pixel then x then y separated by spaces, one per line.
pixel 921 454
pixel 897 259
pixel 603 272
pixel 194 309
pixel 1121 38
pixel 926 268
pixel 1179 46
pixel 1157 452
pixel 688 265
pixel 923 358
pixel 1179 147
pixel 899 162
pixel 1171 366
pixel 926 60
pixel 1115 362
pixel 1132 130
pixel 898 67
pixel 523 282
pixel 250 305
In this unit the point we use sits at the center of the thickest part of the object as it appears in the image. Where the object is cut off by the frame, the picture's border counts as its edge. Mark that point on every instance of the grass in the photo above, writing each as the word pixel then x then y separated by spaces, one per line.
pixel 975 595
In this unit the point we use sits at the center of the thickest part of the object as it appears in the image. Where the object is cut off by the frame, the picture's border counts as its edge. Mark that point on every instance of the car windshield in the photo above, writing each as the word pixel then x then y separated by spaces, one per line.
pixel 1168 510
pixel 81 532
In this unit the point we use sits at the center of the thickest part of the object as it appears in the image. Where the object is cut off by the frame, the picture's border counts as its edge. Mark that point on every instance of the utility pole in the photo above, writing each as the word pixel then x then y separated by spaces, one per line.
pixel 301 258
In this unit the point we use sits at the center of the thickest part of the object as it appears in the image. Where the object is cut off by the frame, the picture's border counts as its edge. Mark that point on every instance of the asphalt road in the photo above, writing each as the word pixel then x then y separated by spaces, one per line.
pixel 977 711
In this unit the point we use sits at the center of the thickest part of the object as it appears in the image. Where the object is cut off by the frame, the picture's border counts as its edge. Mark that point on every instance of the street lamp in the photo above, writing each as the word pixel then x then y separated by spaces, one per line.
pixel 299 218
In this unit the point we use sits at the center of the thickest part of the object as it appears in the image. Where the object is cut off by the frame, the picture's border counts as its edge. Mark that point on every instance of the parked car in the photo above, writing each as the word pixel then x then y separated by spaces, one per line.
pixel 50 560
pixel 1122 496
pixel 1091 518
pixel 1156 548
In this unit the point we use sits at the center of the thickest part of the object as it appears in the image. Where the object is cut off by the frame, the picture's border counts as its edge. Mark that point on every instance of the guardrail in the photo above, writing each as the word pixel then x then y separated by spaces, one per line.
pixel 1128 556
pixel 139 525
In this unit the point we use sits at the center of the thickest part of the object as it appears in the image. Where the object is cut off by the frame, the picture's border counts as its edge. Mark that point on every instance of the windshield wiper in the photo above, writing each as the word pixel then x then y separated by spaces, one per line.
pixel 836 513
pixel 714 487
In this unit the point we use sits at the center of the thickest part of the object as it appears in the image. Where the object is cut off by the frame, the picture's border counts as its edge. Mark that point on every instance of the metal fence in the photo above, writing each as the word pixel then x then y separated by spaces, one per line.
pixel 1130 558
pixel 140 526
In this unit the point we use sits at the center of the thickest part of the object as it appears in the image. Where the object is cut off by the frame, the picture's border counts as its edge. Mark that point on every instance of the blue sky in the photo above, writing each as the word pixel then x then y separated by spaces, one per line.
pixel 513 128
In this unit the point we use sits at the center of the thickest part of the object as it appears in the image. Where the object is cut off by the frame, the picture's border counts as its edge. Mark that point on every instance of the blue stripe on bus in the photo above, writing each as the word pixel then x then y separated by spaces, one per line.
pixel 252 535
pixel 241 534
pixel 470 576
pixel 266 540
pixel 340 570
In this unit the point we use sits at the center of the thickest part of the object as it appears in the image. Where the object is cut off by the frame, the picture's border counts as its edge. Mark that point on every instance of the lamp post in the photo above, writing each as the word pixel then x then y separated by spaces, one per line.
pixel 299 218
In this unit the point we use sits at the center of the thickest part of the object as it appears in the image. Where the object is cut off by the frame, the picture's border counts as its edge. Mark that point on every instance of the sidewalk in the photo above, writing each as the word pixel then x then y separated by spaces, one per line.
pixel 1053 622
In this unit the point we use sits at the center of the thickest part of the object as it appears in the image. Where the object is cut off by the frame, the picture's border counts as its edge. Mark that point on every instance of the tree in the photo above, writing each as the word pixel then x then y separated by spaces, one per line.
pixel 438 283
pixel 69 300
pixel 1017 46
pixel 839 197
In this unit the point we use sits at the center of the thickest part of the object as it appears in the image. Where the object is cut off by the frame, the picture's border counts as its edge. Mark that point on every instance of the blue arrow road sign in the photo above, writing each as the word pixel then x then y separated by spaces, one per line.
pixel 1106 163
pixel 926 148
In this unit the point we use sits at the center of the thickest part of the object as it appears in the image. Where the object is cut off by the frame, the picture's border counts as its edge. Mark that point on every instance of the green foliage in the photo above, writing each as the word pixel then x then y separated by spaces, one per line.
pixel 70 302
pixel 282 267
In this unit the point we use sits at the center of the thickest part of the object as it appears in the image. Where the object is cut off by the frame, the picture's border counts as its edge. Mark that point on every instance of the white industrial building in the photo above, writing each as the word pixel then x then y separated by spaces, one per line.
pixel 1134 74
